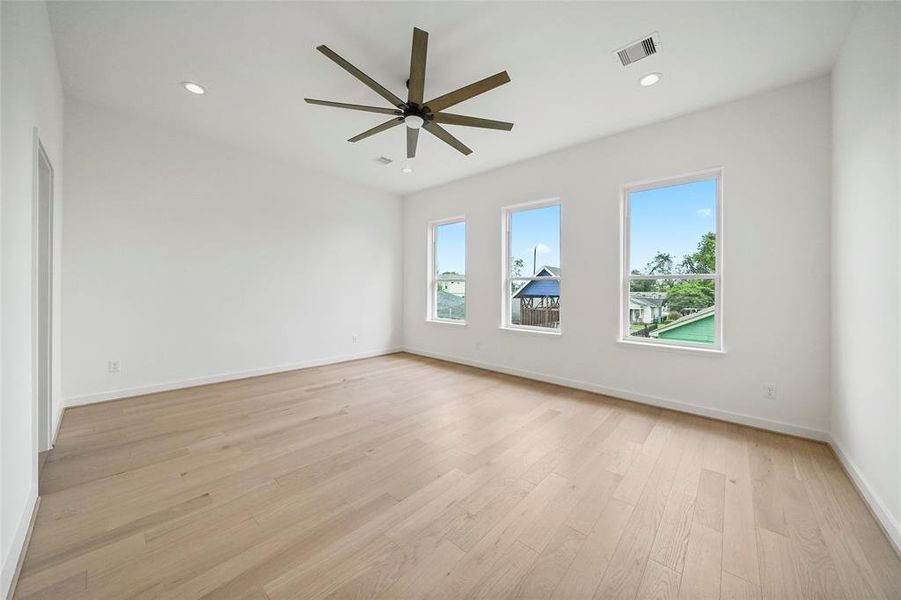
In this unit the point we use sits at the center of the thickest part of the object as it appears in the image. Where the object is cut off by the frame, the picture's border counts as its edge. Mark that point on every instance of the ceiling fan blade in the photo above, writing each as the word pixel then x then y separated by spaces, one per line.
pixel 374 109
pixel 417 66
pixel 377 129
pixel 412 139
pixel 467 92
pixel 366 79
pixel 452 119
pixel 442 134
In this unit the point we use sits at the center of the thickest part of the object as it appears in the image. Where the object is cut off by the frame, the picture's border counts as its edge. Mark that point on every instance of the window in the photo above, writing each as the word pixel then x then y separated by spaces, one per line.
pixel 447 271
pixel 672 262
pixel 532 264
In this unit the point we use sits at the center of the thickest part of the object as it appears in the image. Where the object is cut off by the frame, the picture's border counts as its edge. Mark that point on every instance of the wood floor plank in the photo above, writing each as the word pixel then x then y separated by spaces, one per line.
pixel 739 529
pixel 551 565
pixel 671 541
pixel 710 501
pixel 478 564
pixel 426 575
pixel 736 588
pixel 813 564
pixel 625 570
pixel 778 580
pixel 703 564
pixel 659 582
pixel 592 559
pixel 407 477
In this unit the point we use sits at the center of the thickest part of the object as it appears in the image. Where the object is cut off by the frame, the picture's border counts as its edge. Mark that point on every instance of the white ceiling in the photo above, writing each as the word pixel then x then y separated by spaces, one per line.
pixel 258 62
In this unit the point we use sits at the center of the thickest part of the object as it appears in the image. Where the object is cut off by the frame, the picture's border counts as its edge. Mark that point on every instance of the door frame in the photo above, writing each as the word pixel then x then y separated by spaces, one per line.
pixel 43 408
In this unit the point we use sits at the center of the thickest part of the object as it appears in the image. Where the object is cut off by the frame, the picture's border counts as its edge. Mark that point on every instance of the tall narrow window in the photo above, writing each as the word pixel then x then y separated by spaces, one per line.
pixel 672 262
pixel 447 272
pixel 532 257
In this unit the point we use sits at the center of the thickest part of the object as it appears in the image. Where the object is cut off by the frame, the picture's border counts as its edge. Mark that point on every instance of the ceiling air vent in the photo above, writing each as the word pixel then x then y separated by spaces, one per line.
pixel 384 160
pixel 640 49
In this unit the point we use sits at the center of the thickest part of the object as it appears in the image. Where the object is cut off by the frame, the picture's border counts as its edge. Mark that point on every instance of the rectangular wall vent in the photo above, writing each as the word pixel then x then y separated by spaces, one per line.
pixel 638 50
pixel 384 160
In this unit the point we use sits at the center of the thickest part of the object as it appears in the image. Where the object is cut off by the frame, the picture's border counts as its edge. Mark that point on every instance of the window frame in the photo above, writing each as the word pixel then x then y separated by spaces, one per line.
pixel 433 278
pixel 506 267
pixel 718 347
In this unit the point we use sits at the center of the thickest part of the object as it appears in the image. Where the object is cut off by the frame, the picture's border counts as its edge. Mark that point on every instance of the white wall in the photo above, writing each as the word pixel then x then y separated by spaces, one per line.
pixel 775 151
pixel 31 97
pixel 866 319
pixel 190 261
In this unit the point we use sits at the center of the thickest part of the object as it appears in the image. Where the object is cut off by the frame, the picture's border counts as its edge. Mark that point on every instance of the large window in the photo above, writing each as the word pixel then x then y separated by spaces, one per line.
pixel 672 262
pixel 447 271
pixel 532 263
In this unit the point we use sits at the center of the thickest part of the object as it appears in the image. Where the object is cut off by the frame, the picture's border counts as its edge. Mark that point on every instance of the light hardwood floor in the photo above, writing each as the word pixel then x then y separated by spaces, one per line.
pixel 405 477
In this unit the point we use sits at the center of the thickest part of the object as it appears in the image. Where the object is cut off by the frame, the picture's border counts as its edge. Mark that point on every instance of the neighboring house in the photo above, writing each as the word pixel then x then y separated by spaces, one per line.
pixel 647 307
pixel 539 301
pixel 450 306
pixel 699 327
pixel 457 288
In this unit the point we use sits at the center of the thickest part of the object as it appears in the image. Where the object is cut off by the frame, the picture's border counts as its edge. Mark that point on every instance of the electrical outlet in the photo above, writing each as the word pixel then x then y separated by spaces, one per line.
pixel 353 338
pixel 113 366
pixel 769 391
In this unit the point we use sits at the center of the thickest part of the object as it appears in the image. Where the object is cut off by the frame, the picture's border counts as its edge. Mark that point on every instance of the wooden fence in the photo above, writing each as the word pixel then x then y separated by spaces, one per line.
pixel 540 317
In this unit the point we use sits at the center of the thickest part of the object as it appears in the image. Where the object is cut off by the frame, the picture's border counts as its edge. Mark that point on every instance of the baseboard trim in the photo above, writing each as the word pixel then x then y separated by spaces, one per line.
pixel 219 378
pixel 21 541
pixel 889 525
pixel 703 411
pixel 59 423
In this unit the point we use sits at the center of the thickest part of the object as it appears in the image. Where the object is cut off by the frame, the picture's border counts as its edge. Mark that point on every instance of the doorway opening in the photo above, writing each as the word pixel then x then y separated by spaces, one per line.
pixel 43 325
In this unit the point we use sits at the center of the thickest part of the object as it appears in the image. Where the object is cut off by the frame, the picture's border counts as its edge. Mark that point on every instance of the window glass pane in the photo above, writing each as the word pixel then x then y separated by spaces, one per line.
pixel 536 303
pixel 674 310
pixel 535 241
pixel 450 302
pixel 450 250
pixel 672 229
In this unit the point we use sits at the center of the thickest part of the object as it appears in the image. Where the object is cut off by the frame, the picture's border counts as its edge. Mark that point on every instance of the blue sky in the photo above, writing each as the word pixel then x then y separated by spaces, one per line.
pixel 670 219
pixel 451 247
pixel 536 227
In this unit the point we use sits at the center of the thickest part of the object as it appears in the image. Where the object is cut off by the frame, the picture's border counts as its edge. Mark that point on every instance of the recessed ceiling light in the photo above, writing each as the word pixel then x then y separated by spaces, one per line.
pixel 194 88
pixel 650 79
pixel 407 170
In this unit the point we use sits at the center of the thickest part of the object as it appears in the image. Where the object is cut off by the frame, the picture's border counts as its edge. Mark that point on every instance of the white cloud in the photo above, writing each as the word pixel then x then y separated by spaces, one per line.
pixel 704 212
pixel 542 249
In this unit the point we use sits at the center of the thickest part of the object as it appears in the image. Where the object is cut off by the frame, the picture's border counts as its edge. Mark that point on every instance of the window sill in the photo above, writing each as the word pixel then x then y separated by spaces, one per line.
pixel 514 329
pixel 446 322
pixel 712 352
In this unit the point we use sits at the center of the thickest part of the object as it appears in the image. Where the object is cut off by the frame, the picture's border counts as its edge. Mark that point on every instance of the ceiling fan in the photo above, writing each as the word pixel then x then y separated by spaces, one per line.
pixel 415 113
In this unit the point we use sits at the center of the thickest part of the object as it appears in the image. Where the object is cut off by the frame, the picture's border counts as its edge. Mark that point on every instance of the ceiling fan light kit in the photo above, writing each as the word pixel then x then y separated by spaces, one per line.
pixel 414 121
pixel 415 113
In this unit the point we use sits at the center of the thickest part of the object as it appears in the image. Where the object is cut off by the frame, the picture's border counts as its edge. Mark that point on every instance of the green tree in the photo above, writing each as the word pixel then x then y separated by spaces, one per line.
pixel 688 294
pixel 662 263
pixel 517 267
pixel 643 285
pixel 692 295
pixel 704 259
